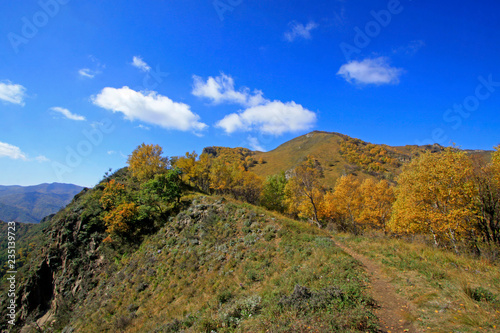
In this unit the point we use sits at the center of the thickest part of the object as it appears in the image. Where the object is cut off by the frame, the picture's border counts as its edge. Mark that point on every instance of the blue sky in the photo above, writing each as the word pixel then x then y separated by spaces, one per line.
pixel 82 83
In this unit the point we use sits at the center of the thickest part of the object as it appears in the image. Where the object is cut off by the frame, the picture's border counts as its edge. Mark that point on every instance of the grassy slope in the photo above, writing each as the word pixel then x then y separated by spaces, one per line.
pixel 449 293
pixel 225 267
pixel 323 146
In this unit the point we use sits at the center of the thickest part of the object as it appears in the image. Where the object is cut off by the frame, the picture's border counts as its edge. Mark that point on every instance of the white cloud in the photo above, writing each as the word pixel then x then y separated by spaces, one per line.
pixel 298 30
pixel 91 73
pixel 221 90
pixel 261 114
pixel 111 152
pixel 273 118
pixel 13 152
pixel 146 128
pixel 370 71
pixel 141 64
pixel 67 114
pixel 254 144
pixel 87 72
pixel 42 159
pixel 12 93
pixel 150 108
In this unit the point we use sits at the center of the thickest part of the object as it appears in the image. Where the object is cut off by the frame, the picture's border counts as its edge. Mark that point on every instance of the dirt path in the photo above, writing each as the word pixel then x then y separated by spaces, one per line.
pixel 393 307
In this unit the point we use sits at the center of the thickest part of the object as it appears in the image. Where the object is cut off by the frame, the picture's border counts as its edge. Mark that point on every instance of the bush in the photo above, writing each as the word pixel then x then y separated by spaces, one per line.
pixel 479 294
pixel 240 309
pixel 224 296
pixel 303 299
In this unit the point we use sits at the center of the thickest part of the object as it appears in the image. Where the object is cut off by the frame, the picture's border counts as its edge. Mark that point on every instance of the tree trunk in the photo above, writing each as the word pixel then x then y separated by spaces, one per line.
pixel 436 244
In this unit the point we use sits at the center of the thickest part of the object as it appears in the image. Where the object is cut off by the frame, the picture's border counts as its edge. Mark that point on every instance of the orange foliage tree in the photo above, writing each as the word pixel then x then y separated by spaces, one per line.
pixel 357 206
pixel 119 213
pixel 344 204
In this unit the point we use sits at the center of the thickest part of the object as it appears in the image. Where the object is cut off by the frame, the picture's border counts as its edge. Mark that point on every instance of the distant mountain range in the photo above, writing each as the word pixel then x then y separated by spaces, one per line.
pixel 30 204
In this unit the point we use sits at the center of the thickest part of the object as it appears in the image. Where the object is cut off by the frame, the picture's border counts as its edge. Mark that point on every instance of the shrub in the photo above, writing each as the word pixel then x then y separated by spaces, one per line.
pixel 480 294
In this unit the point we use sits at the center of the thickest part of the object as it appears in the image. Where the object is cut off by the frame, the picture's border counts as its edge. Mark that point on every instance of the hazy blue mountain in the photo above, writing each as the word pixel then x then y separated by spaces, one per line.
pixel 30 204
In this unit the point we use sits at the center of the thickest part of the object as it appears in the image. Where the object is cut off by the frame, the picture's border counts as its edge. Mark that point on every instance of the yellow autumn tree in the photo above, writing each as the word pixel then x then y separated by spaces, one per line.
pixel 304 192
pixel 246 185
pixel 146 161
pixel 487 199
pixel 344 204
pixel 378 198
pixel 435 195
pixel 496 164
pixel 202 172
pixel 187 165
pixel 221 176
pixel 358 206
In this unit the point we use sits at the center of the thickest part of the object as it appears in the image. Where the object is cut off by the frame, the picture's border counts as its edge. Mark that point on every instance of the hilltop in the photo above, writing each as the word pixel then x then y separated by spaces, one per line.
pixel 30 204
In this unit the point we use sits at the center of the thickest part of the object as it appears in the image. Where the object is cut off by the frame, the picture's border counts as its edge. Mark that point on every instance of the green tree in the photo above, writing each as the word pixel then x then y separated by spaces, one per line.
pixel 273 192
pixel 163 191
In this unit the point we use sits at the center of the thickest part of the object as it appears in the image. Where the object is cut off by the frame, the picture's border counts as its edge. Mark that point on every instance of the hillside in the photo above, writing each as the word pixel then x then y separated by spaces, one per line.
pixel 30 204
pixel 26 239
pixel 216 265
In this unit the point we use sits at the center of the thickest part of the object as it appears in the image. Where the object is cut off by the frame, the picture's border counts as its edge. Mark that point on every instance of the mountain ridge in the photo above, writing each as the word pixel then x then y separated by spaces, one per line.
pixel 30 204
pixel 340 154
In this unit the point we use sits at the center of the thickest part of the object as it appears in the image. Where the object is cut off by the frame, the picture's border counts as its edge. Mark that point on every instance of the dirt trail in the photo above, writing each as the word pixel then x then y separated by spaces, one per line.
pixel 393 311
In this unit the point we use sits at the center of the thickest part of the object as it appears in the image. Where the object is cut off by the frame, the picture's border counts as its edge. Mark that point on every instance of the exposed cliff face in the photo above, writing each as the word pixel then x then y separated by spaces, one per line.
pixel 64 267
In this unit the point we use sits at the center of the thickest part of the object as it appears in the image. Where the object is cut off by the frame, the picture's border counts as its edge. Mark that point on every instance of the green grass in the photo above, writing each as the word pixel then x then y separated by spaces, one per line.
pixel 448 293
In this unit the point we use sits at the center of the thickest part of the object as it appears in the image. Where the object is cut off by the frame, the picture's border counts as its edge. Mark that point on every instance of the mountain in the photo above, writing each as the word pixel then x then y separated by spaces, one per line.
pixel 123 257
pixel 340 154
pixel 30 204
